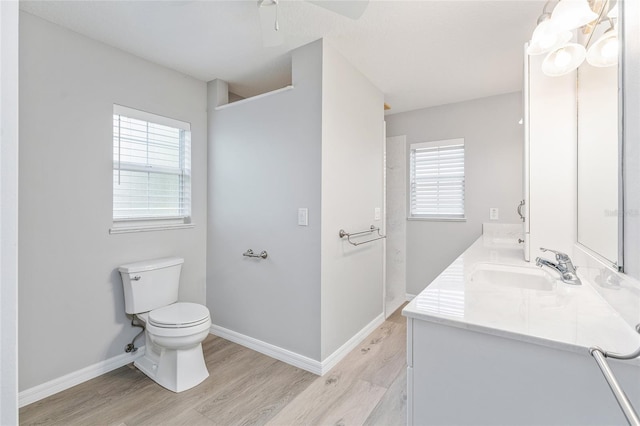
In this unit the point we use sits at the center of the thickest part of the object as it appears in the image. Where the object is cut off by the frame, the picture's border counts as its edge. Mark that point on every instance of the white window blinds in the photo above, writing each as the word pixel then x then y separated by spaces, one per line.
pixel 437 179
pixel 151 166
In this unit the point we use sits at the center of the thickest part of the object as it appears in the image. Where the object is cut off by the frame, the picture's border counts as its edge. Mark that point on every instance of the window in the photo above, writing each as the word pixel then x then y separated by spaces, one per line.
pixel 437 180
pixel 151 169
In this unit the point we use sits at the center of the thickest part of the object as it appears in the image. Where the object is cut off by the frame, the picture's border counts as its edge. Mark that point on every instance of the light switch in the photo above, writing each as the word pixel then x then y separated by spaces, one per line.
pixel 303 216
pixel 494 213
pixel 377 214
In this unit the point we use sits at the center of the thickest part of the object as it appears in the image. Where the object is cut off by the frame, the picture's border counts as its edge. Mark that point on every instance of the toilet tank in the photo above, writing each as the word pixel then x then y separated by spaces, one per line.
pixel 150 284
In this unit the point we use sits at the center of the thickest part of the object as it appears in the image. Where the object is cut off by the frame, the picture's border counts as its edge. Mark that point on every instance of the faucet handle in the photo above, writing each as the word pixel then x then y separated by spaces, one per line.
pixel 560 256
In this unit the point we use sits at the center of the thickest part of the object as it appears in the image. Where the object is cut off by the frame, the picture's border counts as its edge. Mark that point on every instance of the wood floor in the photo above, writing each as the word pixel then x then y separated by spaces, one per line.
pixel 368 387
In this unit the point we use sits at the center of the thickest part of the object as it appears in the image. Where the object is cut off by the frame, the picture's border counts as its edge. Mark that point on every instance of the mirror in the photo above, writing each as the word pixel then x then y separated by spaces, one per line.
pixel 598 158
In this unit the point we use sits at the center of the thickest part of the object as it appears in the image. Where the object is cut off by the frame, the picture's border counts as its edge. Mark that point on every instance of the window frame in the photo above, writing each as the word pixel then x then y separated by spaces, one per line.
pixel 410 181
pixel 140 224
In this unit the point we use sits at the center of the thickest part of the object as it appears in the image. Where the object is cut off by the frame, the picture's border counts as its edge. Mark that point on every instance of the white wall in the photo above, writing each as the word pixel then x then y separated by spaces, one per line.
pixel 9 213
pixel 70 296
pixel 493 168
pixel 352 187
pixel 264 164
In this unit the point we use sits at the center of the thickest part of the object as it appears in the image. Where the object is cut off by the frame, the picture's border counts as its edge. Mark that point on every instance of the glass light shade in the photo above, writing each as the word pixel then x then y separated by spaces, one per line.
pixel 564 60
pixel 604 52
pixel 547 38
pixel 572 14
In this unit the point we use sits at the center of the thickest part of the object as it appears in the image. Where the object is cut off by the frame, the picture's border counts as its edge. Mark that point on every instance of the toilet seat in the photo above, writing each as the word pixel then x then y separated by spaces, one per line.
pixel 179 315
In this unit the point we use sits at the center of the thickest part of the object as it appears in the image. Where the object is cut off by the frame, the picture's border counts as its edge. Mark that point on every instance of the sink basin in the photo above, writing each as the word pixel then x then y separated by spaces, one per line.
pixel 517 277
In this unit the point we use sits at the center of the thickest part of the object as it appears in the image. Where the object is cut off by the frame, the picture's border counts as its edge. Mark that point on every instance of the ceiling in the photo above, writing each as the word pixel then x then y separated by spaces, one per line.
pixel 418 53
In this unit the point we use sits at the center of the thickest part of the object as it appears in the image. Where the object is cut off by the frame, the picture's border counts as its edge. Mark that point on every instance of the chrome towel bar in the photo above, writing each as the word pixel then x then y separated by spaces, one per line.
pixel 600 356
pixel 372 229
pixel 250 253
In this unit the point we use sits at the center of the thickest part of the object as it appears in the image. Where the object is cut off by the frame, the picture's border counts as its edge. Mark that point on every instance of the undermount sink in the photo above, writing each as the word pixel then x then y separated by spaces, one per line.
pixel 517 277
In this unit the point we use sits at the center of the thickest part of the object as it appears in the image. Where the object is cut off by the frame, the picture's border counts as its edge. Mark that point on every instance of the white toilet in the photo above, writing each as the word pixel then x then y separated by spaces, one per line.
pixel 174 330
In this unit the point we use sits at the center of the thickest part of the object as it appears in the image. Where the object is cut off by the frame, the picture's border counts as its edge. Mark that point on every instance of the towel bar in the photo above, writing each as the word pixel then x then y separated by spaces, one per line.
pixel 600 356
pixel 344 233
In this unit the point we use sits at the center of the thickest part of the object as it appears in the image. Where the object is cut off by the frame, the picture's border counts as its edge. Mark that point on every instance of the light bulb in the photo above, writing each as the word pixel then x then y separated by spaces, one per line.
pixel 604 52
pixel 562 58
pixel 610 49
pixel 547 41
pixel 546 38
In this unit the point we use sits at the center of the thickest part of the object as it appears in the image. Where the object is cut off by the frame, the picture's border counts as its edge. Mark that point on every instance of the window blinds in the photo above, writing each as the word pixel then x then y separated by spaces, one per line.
pixel 151 166
pixel 437 179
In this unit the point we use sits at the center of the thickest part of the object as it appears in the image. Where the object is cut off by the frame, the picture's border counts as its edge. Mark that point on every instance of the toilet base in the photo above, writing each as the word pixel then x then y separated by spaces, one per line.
pixel 174 369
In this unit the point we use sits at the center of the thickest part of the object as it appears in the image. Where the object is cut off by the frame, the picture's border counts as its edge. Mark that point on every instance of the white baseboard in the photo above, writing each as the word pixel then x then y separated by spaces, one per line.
pixel 295 359
pixel 268 349
pixel 410 297
pixel 350 345
pixel 67 381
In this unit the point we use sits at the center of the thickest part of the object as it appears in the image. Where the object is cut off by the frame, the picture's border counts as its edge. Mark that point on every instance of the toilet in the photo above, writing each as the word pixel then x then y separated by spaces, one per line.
pixel 174 330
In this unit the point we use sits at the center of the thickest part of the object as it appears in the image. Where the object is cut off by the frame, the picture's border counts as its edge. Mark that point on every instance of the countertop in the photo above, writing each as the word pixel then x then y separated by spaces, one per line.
pixel 564 316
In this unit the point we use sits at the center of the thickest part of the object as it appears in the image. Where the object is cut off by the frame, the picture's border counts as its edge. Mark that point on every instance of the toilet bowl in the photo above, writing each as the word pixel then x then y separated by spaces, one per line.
pixel 174 330
pixel 173 354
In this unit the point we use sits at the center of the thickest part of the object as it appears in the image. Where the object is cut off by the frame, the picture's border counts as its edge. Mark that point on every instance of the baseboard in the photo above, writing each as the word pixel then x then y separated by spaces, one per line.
pixel 268 349
pixel 67 381
pixel 410 297
pixel 350 345
pixel 295 359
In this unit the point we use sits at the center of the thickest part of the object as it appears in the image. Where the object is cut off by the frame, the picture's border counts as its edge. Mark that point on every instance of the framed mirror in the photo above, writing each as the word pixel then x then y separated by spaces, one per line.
pixel 599 157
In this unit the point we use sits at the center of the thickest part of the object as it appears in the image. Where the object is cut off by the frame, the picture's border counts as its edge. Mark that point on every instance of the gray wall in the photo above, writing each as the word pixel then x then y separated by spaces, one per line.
pixel 71 308
pixel 264 164
pixel 493 168
pixel 9 213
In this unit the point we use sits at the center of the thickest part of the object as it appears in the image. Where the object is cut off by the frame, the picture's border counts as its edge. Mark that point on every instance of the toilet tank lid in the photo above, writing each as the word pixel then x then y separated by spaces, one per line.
pixel 150 265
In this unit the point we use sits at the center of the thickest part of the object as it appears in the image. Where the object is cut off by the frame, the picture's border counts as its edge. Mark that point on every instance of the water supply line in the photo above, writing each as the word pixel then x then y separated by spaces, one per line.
pixel 131 346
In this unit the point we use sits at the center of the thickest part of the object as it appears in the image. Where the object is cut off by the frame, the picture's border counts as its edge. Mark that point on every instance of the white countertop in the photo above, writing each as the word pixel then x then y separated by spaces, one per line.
pixel 564 317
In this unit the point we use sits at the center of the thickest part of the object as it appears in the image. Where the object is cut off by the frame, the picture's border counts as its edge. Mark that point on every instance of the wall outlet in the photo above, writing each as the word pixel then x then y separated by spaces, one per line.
pixel 494 213
pixel 303 216
pixel 377 213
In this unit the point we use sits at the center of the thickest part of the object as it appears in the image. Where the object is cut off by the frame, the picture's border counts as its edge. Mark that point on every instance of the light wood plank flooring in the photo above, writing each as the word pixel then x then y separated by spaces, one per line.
pixel 368 387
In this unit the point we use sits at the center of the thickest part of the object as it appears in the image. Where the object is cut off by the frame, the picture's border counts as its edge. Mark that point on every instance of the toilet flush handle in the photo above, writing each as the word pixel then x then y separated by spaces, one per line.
pixel 136 278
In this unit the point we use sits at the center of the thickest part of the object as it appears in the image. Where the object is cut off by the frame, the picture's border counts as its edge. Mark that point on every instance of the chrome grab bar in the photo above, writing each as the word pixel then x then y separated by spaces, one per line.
pixel 250 253
pixel 623 401
pixel 344 233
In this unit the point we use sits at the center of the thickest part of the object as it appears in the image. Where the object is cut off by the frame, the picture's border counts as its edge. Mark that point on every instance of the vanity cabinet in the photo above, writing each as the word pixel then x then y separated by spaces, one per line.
pixel 457 376
pixel 491 349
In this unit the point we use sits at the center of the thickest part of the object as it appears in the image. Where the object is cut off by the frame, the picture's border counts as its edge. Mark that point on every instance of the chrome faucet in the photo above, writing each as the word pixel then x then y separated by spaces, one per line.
pixel 564 266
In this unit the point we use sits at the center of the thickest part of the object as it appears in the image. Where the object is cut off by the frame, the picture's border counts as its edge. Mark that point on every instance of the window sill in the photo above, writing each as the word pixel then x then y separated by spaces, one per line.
pixel 129 227
pixel 439 219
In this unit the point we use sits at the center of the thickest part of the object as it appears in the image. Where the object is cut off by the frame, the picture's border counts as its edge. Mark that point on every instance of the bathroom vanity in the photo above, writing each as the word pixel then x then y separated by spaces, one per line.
pixel 496 340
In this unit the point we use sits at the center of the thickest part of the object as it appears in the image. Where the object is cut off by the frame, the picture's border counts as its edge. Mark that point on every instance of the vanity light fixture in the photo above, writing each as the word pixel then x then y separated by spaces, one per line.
pixel 546 37
pixel 555 30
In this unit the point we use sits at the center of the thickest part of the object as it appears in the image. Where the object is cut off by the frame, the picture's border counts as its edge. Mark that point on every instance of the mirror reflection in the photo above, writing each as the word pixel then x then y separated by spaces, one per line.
pixel 598 145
